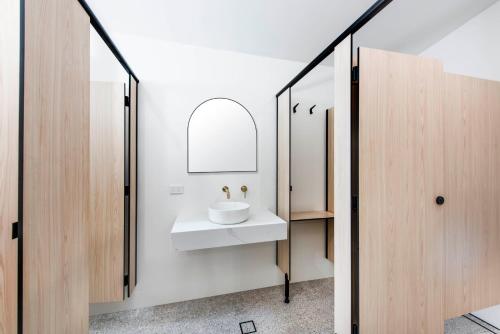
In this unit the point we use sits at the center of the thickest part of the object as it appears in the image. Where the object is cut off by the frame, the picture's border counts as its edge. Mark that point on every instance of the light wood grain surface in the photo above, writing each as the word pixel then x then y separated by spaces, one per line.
pixel 56 168
pixel 342 186
pixel 133 185
pixel 401 164
pixel 9 146
pixel 472 194
pixel 107 191
pixel 283 186
pixel 308 215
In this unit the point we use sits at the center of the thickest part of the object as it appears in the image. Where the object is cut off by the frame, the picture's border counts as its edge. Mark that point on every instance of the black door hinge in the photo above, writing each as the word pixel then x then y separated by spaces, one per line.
pixel 15 230
pixel 354 203
pixel 127 190
pixel 125 280
pixel 355 73
pixel 127 101
pixel 355 329
pixel 291 188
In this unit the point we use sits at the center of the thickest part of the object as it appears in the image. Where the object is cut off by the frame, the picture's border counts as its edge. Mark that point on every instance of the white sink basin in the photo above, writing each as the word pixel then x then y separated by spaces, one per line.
pixel 228 212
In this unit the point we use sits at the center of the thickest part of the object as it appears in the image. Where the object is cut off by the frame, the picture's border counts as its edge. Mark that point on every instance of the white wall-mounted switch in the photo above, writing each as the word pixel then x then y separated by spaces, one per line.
pixel 176 190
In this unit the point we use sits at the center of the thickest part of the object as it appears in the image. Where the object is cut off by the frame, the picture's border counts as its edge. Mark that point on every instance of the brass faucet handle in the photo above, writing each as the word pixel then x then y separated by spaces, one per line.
pixel 244 189
pixel 226 190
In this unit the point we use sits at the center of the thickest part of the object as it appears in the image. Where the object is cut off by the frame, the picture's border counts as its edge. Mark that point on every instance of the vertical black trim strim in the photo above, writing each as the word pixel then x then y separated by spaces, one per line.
pixel 287 290
pixel 326 184
pixel 20 191
pixel 290 183
pixel 277 165
pixel 136 173
pixel 354 196
pixel 126 249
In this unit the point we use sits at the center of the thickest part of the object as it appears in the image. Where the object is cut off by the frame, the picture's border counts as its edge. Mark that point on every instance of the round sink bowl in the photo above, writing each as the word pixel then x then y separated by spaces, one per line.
pixel 228 212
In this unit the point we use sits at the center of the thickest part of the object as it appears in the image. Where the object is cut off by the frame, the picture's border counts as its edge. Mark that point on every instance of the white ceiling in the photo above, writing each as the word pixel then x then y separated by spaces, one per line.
pixel 286 29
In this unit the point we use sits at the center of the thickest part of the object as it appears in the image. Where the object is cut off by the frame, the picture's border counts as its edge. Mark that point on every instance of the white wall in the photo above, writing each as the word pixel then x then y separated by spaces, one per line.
pixel 474 50
pixel 103 64
pixel 308 139
pixel 174 80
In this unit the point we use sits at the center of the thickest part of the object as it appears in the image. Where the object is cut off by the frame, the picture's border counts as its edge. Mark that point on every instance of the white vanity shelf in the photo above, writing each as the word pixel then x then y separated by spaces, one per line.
pixel 195 231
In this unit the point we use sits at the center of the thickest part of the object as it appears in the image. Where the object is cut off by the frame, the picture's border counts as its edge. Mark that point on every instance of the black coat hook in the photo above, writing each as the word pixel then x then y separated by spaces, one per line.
pixel 295 108
pixel 311 110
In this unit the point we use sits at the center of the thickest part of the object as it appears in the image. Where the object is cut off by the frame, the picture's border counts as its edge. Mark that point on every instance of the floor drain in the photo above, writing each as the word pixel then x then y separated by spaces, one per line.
pixel 247 327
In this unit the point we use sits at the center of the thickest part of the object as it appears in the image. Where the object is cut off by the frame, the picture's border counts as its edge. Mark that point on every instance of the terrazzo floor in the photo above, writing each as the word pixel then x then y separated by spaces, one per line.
pixel 310 311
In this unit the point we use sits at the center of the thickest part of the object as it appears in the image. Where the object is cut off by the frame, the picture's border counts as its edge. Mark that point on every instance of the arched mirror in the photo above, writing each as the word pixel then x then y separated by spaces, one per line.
pixel 222 137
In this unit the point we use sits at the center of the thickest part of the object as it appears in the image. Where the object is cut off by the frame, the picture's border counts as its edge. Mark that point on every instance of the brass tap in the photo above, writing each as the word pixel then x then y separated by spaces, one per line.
pixel 244 189
pixel 226 190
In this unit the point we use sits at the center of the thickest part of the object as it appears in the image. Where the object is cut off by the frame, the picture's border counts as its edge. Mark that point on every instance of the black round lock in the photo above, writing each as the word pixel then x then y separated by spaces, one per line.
pixel 440 200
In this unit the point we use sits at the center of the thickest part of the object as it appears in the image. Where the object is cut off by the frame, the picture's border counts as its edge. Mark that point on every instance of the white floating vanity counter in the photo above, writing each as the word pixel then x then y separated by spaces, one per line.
pixel 195 231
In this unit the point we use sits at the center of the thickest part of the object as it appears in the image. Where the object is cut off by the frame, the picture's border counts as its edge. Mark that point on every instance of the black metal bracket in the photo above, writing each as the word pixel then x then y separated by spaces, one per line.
pixel 311 110
pixel 326 238
pixel 354 203
pixel 295 108
pixel 355 74
pixel 287 289
pixel 15 230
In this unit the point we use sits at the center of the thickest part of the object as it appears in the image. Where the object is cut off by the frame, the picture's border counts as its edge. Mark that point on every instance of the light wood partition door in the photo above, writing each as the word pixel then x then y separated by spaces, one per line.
pixel 401 165
pixel 473 194
pixel 133 188
pixel 9 158
pixel 56 168
pixel 283 177
pixel 342 187
pixel 107 191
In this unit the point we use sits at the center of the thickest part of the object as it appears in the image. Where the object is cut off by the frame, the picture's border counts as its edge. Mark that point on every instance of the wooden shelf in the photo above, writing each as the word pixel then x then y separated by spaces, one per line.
pixel 310 215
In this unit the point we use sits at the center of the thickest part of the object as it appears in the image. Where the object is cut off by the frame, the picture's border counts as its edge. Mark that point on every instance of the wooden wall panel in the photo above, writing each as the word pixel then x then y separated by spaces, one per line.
pixel 283 177
pixel 56 168
pixel 401 165
pixel 9 157
pixel 330 178
pixel 472 153
pixel 342 187
pixel 133 187
pixel 107 191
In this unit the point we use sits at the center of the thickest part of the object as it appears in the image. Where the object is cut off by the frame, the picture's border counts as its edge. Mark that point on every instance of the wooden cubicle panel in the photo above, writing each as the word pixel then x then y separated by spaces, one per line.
pixel 56 168
pixel 283 177
pixel 133 189
pixel 342 186
pixel 330 186
pixel 472 194
pixel 401 165
pixel 107 191
pixel 9 158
